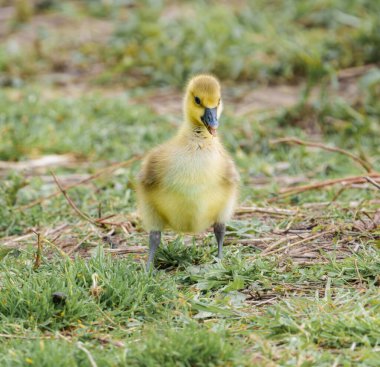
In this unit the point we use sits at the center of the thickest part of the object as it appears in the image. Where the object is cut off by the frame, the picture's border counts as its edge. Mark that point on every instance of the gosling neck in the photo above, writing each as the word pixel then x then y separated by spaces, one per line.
pixel 198 132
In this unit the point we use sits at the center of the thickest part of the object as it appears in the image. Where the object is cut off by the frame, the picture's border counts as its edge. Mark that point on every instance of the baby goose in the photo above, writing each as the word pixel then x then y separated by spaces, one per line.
pixel 190 182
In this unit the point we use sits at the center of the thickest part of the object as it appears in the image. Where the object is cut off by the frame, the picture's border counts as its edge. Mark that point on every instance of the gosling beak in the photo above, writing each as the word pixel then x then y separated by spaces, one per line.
pixel 210 119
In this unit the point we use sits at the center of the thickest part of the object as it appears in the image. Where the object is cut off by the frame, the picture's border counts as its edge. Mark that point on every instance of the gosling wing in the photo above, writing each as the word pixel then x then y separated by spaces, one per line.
pixel 151 172
pixel 230 173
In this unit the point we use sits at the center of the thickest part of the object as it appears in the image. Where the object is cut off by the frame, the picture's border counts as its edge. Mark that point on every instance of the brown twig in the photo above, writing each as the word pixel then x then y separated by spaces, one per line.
pixel 101 172
pixel 100 222
pixel 373 182
pixel 127 250
pixel 8 241
pixel 270 211
pixel 274 245
pixel 322 184
pixel 344 180
pixel 71 203
pixel 367 166
pixel 287 247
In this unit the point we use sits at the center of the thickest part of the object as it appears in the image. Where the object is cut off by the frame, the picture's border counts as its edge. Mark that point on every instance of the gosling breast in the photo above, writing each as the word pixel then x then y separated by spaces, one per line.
pixel 187 185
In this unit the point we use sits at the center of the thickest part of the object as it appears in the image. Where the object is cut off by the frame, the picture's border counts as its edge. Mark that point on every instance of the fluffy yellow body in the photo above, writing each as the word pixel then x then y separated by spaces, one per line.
pixel 187 185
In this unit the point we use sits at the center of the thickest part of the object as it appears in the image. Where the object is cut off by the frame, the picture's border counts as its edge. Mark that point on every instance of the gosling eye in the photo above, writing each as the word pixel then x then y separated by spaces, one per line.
pixel 197 100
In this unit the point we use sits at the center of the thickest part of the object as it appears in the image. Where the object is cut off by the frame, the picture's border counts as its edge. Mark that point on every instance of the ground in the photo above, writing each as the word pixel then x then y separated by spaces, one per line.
pixel 89 87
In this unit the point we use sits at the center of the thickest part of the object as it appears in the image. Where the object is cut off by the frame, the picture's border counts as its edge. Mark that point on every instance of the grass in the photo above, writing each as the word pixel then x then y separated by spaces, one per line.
pixel 122 287
pixel 131 305
pixel 97 101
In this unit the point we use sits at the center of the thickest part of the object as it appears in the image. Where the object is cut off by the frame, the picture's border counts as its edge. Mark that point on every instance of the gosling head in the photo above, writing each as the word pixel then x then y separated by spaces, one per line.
pixel 203 104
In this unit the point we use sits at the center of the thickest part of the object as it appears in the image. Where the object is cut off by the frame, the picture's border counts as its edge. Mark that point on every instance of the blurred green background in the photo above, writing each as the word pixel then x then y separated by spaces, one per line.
pixel 146 43
pixel 102 80
pixel 311 64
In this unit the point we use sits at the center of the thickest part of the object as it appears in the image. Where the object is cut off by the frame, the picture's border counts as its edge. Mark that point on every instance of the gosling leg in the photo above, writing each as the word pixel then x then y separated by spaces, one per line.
pixel 219 231
pixel 154 241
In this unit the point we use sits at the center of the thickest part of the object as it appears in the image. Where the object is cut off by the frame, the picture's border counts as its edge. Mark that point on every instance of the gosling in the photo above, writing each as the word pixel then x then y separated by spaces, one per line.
pixel 190 182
